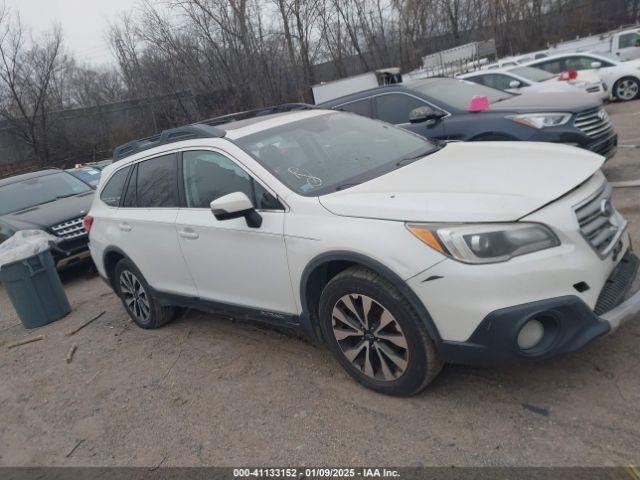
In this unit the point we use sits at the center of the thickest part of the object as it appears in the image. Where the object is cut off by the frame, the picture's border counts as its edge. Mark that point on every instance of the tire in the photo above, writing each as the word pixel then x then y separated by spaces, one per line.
pixel 626 89
pixel 137 298
pixel 392 325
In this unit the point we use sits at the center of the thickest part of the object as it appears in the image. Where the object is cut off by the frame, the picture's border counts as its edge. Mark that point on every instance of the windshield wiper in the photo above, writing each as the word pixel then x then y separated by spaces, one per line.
pixel 345 186
pixel 67 195
pixel 31 207
pixel 438 144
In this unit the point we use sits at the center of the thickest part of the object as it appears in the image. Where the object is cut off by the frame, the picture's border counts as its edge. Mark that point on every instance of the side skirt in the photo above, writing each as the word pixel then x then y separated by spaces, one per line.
pixel 238 312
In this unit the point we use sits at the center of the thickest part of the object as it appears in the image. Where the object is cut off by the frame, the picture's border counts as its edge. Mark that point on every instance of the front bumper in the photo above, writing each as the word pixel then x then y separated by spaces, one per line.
pixel 71 252
pixel 568 322
pixel 606 146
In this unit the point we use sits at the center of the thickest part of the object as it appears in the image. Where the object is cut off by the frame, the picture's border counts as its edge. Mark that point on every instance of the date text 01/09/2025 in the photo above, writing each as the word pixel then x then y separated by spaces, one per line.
pixel 315 473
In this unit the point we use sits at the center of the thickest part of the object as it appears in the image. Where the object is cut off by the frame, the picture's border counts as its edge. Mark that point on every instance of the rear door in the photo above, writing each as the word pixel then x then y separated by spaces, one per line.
pixel 146 224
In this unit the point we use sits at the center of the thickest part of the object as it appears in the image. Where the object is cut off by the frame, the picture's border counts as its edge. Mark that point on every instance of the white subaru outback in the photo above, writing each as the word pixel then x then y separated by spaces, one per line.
pixel 399 253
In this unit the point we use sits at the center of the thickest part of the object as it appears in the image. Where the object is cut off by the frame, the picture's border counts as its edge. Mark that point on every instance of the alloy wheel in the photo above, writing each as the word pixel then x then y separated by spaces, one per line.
pixel 370 337
pixel 627 89
pixel 135 296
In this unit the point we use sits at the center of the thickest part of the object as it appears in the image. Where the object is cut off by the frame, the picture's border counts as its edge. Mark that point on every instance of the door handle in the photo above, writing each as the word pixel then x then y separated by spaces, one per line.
pixel 125 227
pixel 188 234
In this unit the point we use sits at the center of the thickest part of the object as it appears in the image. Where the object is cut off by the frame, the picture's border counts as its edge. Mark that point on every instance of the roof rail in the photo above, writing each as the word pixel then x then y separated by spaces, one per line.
pixel 258 112
pixel 187 132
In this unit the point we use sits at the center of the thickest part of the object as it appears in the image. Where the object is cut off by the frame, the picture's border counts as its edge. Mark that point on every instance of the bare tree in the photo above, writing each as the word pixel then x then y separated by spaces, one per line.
pixel 27 70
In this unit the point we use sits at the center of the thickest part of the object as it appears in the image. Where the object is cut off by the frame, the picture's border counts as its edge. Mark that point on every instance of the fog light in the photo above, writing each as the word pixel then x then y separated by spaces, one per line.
pixel 530 334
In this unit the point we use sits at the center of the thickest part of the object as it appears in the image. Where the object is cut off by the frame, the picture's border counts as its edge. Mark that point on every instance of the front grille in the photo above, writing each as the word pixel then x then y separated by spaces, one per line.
pixel 595 122
pixel 594 217
pixel 606 147
pixel 70 229
pixel 618 284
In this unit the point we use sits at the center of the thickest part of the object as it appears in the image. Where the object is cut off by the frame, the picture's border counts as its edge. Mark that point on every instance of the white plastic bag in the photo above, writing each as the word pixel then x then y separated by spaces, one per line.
pixel 24 244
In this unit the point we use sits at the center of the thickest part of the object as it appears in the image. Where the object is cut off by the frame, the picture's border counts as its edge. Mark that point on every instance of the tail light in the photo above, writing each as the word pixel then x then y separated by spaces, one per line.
pixel 88 223
pixel 638 43
pixel 569 75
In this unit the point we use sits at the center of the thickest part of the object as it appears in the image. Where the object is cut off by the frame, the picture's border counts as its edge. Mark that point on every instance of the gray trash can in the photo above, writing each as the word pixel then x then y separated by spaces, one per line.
pixel 35 290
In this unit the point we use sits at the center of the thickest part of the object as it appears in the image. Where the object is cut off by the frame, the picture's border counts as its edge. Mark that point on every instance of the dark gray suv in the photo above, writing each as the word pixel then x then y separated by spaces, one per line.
pixel 438 108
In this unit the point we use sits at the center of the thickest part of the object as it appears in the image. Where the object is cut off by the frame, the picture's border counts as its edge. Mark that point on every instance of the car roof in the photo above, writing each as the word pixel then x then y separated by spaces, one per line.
pixel 563 55
pixel 232 131
pixel 27 176
pixel 396 87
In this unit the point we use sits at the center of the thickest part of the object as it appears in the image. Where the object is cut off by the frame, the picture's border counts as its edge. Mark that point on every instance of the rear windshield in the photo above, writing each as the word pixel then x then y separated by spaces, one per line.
pixel 533 74
pixel 87 175
pixel 456 92
pixel 330 152
pixel 37 191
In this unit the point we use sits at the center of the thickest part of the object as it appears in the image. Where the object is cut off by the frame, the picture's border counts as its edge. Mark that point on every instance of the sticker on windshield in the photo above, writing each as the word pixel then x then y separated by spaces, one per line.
pixel 311 180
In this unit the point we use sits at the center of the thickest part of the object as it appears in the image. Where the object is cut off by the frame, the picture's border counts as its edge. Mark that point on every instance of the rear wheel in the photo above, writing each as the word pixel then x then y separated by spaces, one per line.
pixel 137 297
pixel 375 334
pixel 626 89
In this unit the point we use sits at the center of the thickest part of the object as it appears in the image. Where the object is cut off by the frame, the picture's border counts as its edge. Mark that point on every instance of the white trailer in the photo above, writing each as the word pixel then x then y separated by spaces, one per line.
pixel 624 43
pixel 461 59
pixel 323 92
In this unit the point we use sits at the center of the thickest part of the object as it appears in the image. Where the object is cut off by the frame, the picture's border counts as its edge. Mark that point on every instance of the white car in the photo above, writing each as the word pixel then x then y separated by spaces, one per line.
pixel 622 78
pixel 521 79
pixel 399 253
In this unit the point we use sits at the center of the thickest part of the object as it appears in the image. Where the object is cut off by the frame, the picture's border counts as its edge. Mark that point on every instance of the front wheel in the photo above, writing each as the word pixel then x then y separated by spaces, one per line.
pixel 137 297
pixel 375 334
pixel 626 89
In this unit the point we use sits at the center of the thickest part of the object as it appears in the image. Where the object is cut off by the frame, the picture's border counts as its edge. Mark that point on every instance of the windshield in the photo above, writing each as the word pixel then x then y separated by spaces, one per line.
pixel 455 92
pixel 334 151
pixel 36 191
pixel 533 74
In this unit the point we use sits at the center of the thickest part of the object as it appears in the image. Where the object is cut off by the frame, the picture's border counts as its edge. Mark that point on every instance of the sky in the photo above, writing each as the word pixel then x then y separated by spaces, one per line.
pixel 84 23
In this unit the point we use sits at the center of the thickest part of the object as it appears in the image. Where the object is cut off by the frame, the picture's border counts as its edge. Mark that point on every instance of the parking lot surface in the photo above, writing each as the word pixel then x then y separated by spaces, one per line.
pixel 211 391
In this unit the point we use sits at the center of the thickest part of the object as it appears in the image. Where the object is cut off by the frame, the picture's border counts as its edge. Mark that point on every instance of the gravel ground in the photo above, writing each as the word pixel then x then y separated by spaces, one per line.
pixel 210 391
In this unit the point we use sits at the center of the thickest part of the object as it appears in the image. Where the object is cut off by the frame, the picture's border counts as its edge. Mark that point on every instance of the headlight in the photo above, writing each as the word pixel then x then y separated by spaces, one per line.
pixel 486 243
pixel 541 120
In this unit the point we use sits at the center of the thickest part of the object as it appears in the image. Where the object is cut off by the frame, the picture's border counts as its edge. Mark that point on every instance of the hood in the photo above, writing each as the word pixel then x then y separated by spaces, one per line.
pixel 547 102
pixel 470 182
pixel 52 213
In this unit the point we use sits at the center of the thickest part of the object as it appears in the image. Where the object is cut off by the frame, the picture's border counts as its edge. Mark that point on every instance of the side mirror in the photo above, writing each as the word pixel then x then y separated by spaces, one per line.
pixel 596 65
pixel 514 84
pixel 422 114
pixel 236 205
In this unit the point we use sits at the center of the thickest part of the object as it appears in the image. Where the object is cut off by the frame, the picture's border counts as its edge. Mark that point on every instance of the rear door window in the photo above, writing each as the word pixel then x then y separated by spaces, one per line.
pixel 480 79
pixel 130 199
pixel 395 108
pixel 112 192
pixel 157 182
pixel 498 81
pixel 552 66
